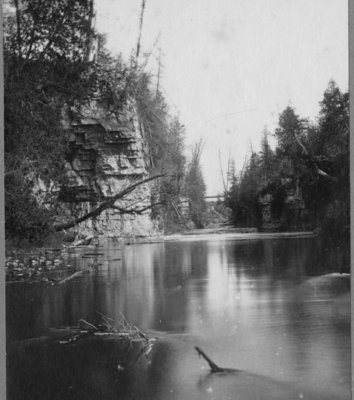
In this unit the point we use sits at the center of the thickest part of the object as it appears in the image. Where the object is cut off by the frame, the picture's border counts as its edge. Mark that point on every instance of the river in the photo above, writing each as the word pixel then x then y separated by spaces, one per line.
pixel 275 309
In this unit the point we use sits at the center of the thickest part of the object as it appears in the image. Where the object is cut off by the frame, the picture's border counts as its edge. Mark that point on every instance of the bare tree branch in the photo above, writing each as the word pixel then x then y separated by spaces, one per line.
pixel 212 365
pixel 136 210
pixel 18 23
pixel 105 204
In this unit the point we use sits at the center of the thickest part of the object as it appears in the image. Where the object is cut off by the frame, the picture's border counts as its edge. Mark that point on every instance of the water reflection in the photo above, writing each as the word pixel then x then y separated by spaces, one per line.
pixel 253 305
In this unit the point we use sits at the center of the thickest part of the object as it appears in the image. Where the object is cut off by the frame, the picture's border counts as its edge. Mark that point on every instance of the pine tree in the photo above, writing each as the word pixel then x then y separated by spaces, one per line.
pixel 195 187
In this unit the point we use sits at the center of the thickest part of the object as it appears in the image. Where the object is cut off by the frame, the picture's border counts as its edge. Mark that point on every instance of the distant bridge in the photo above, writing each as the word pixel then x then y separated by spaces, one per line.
pixel 214 198
pixel 207 198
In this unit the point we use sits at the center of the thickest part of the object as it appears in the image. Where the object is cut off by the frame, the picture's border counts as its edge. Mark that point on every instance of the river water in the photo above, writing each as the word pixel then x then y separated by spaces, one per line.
pixel 275 309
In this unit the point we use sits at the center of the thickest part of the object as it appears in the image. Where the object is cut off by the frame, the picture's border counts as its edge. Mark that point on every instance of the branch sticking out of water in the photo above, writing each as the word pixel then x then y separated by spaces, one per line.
pixel 212 365
pixel 106 320
pixel 87 325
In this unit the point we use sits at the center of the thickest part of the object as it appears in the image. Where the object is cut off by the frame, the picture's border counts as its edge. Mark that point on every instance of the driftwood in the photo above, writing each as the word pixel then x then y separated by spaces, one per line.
pixel 86 332
pixel 105 204
pixel 83 324
pixel 212 365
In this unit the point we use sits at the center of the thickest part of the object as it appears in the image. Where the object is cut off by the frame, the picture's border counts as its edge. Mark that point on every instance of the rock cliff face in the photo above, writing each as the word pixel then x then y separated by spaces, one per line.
pixel 292 214
pixel 106 155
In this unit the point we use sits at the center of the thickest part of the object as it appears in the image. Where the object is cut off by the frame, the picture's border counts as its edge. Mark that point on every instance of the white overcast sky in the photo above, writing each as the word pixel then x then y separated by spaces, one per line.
pixel 231 66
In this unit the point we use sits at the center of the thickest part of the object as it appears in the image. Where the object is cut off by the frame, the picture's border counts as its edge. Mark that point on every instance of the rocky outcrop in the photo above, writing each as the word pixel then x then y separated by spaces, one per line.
pixel 293 214
pixel 107 154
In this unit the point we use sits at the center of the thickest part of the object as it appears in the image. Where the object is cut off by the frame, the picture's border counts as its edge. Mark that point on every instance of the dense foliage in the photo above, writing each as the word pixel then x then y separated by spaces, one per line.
pixel 306 178
pixel 195 188
pixel 46 54
pixel 56 61
pixel 165 146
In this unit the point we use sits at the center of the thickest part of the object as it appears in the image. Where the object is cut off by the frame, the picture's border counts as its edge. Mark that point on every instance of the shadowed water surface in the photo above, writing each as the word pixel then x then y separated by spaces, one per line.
pixel 273 308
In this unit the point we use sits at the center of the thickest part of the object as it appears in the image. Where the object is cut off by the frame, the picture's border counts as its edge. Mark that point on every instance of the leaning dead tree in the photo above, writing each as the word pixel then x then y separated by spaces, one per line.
pixel 109 203
pixel 140 30
pixel 222 173
pixel 312 160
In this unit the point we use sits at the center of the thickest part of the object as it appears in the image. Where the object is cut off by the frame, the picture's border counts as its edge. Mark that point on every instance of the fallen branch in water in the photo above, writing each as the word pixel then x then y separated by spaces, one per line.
pixel 84 324
pixel 72 276
pixel 212 365
pixel 127 332
pixel 107 320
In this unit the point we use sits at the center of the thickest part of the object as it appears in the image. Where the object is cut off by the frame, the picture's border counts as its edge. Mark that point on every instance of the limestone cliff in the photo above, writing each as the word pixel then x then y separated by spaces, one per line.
pixel 107 154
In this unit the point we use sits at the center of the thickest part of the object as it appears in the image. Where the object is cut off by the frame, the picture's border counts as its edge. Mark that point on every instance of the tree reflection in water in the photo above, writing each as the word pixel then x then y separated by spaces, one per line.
pixel 273 308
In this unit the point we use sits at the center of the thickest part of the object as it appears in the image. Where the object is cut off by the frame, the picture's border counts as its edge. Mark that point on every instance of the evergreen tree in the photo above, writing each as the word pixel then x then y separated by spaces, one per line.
pixel 310 163
pixel 289 126
pixel 47 65
pixel 165 146
pixel 266 159
pixel 195 187
pixel 328 198
pixel 249 191
pixel 153 112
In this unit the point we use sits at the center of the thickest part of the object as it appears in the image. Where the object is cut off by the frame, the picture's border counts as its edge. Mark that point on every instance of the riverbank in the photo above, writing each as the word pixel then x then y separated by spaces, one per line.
pixel 216 232
pixel 235 233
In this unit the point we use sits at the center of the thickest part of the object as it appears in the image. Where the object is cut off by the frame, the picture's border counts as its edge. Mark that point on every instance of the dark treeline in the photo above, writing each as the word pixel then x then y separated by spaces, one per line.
pixel 46 66
pixel 54 61
pixel 304 182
